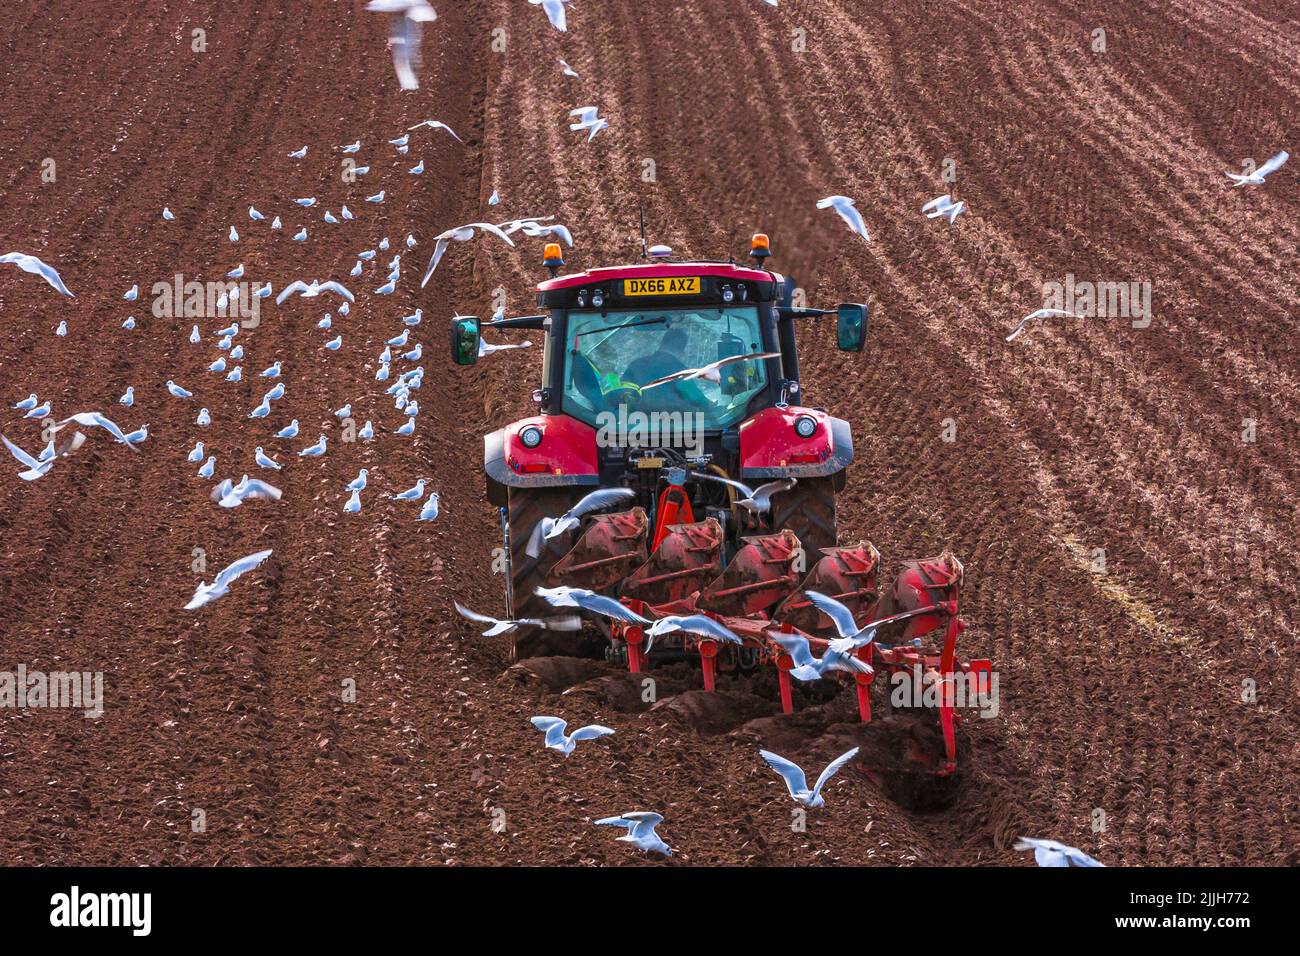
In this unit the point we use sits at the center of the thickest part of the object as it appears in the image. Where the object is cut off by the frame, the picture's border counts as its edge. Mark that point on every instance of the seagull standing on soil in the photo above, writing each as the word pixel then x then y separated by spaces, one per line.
pixel 1257 177
pixel 549 528
pixel 207 593
pixel 843 205
pixel 557 740
pixel 1051 853
pixel 640 830
pixel 430 509
pixel 569 622
pixel 797 783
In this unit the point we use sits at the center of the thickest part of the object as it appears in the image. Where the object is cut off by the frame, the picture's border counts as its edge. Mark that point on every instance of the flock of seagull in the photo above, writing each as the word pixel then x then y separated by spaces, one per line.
pixel 406 20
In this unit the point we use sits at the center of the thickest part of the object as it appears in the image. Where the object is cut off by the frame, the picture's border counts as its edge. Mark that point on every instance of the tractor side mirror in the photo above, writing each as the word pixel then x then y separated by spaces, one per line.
pixel 465 336
pixel 851 326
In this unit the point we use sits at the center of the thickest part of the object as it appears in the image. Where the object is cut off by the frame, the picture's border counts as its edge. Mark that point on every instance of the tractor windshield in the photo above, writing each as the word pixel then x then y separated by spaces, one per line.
pixel 628 359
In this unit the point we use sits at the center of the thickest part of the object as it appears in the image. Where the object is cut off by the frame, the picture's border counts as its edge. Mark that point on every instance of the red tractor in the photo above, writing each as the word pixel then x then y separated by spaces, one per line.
pixel 679 382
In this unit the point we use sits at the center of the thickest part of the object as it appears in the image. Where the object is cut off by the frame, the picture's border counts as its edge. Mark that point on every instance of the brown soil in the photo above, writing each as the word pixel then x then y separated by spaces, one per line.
pixel 1120 691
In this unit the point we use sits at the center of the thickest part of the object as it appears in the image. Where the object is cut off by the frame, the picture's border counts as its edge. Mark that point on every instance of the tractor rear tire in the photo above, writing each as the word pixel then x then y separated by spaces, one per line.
pixel 527 506
pixel 808 509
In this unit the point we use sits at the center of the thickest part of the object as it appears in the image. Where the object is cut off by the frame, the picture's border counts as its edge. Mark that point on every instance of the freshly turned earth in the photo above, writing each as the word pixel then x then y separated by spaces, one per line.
pixel 1121 690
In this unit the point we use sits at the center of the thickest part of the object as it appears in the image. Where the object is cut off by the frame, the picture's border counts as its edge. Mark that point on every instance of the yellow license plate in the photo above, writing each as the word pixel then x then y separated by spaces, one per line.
pixel 673 285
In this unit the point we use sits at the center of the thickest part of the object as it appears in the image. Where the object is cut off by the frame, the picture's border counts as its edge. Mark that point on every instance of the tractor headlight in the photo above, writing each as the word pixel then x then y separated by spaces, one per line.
pixel 804 426
pixel 598 298
pixel 727 294
pixel 531 436
pixel 582 299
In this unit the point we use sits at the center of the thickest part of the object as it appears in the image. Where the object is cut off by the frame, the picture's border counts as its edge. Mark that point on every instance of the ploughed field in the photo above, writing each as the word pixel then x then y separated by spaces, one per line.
pixel 1121 682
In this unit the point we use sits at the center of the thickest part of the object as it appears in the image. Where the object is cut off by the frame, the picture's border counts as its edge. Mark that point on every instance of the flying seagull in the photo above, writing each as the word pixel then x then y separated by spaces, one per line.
pixel 220 587
pixel 36 267
pixel 756 500
pixel 556 739
pixel 943 206
pixel 1040 314
pixel 549 528
pixel 843 205
pixel 567 622
pixel 640 830
pixel 851 636
pixel 309 290
pixel 37 467
pixel 797 783
pixel 405 17
pixel 554 12
pixel 712 372
pixel 459 234
pixel 1257 177
pixel 588 120
pixel 231 495
pixel 436 124
pixel 590 601
pixel 697 624
pixel 1051 853
pixel 807 667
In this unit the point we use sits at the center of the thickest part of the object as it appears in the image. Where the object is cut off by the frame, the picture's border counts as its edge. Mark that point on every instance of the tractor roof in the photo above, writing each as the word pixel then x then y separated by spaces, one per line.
pixel 659 270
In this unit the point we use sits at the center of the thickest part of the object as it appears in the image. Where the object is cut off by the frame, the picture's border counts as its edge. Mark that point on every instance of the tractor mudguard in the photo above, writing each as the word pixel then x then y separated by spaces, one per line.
pixel 771 448
pixel 566 455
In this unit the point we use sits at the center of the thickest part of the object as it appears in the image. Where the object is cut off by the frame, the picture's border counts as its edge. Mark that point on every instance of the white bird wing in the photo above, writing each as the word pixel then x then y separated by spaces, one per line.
pixel 707 627
pixel 37 267
pixel 1039 314
pixel 591 732
pixel 742 488
pixel 553 727
pixel 404 44
pixel 794 645
pixel 555 13
pixel 255 488
pixel 602 498
pixel 762 496
pixel 643 823
pixel 585 115
pixel 559 230
pixel 296 286
pixel 242 566
pixel 939 203
pixel 108 426
pixel 840 615
pixel 832 769
pixel 22 456
pixel 435 124
pixel 540 531
pixel 1273 164
pixel 337 288
pixel 475 615
pixel 791 772
pixel 439 248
